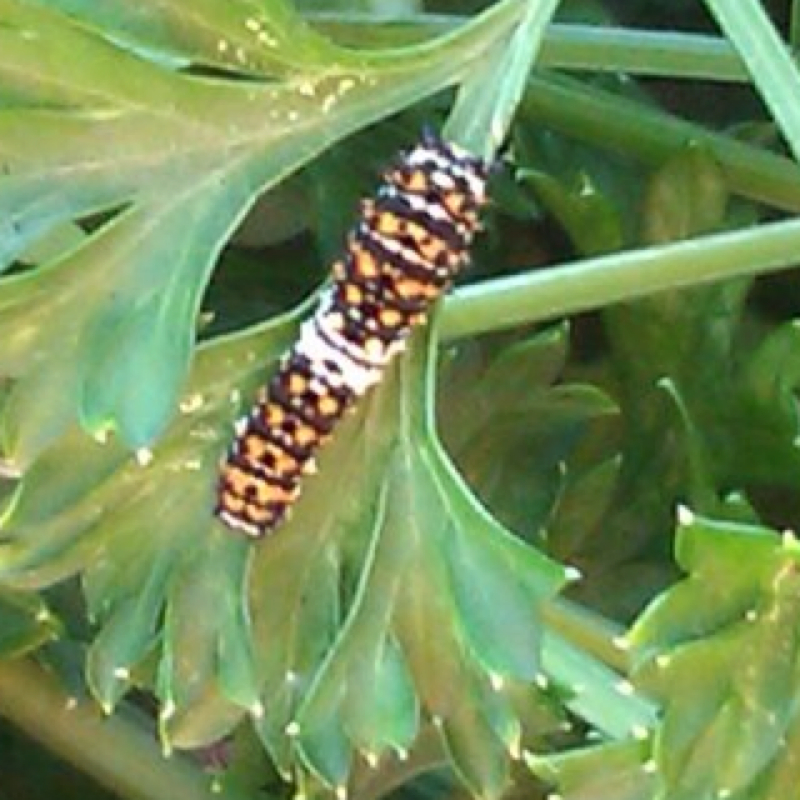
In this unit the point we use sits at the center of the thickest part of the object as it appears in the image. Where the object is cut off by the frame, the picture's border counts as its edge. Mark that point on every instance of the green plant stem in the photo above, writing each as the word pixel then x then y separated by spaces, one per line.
pixel 775 76
pixel 488 99
pixel 571 47
pixel 633 130
pixel 598 282
pixel 116 753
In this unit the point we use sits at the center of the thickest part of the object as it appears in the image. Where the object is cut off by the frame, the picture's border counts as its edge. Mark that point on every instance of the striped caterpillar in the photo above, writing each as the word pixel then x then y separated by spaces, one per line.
pixel 411 241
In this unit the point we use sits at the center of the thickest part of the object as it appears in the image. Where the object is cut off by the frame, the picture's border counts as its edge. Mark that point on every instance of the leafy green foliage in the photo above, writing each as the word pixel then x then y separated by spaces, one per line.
pixel 519 438
pixel 176 160
pixel 719 650
pixel 396 627
pixel 25 623
pixel 618 771
pixel 352 596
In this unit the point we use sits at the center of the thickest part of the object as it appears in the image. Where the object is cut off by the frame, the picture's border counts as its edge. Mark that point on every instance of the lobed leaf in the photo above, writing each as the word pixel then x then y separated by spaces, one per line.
pixel 25 623
pixel 726 716
pixel 618 771
pixel 172 162
pixel 380 588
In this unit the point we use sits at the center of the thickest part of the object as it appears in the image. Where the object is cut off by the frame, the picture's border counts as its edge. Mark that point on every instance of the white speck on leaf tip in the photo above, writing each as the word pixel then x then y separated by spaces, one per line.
pixel 640 732
pixel 122 673
pixel 306 88
pixel 193 464
pixel 437 720
pixel 222 46
pixel 293 729
pixel 685 515
pixel 102 436
pixel 553 796
pixel 241 55
pixel 216 786
pixel 515 749
pixel 542 681
pixel 621 643
pixel 167 710
pixel 625 687
pixel 402 754
pixel 235 397
pixel 328 103
pixel 751 615
pixel 291 676
pixel 789 538
pixel 496 681
pixel 663 661
pixel 724 793
pixel 572 574
pixel 8 470
pixel 107 709
pixel 43 615
pixel 252 24
pixel 266 39
pixel 191 403
pixel 345 85
pixel 71 704
pixel 372 760
pixel 293 116
pixel 497 132
pixel 650 767
pixel 144 457
pixel 257 710
pixel 341 793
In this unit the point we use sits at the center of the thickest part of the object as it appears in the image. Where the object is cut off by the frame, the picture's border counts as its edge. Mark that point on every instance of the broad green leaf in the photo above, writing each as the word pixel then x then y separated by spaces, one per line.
pixel 25 623
pixel 594 692
pixel 387 575
pixel 241 35
pixel 582 505
pixel 618 771
pixel 207 667
pixel 686 197
pixel 173 161
pixel 720 651
pixel 518 437
pixel 587 198
pixel 591 221
pixel 381 708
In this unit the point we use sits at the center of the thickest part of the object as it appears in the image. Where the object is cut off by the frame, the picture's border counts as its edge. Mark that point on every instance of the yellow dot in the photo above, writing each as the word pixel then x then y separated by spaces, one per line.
pixel 328 405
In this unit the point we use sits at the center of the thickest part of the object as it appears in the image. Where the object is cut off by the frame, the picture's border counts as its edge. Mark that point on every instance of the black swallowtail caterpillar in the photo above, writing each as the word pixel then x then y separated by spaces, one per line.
pixel 410 243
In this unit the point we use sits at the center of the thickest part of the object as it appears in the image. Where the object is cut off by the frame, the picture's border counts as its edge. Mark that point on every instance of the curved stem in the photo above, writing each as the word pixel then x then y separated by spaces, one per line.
pixel 623 126
pixel 596 282
pixel 117 753
pixel 566 46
